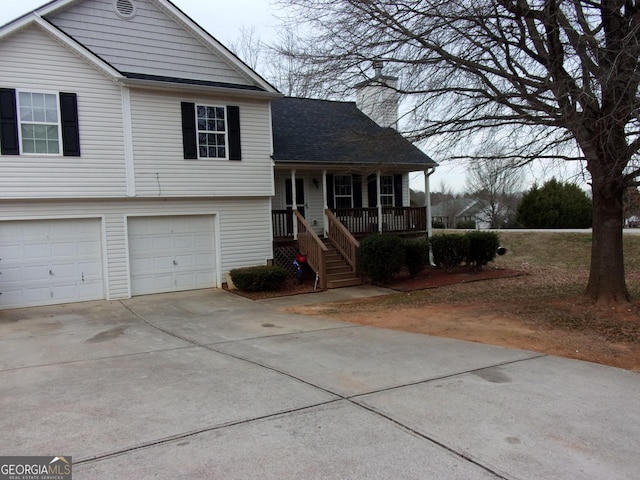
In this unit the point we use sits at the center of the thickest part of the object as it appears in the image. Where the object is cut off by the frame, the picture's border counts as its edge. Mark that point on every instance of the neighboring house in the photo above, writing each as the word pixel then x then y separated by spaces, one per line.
pixel 461 212
pixel 135 154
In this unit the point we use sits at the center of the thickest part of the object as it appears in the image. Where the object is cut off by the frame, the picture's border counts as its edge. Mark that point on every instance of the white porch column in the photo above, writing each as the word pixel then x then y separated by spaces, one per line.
pixel 379 201
pixel 325 203
pixel 294 204
pixel 427 199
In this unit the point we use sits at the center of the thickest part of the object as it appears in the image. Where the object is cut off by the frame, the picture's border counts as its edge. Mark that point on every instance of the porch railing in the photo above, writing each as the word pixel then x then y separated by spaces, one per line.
pixel 282 221
pixel 360 221
pixel 312 247
pixel 346 244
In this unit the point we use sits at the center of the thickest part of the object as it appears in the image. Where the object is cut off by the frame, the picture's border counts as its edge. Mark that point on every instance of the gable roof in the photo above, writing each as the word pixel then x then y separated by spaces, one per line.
pixel 45 17
pixel 311 131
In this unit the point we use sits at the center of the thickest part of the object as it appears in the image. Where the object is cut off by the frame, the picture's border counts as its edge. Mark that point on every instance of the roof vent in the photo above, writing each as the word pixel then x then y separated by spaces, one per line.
pixel 125 9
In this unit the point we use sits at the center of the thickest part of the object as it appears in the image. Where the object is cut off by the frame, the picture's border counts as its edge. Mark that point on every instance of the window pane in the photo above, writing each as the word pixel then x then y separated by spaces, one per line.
pixel 211 112
pixel 27 132
pixel 221 152
pixel 54 146
pixel 202 112
pixel 220 140
pixel 202 138
pixel 220 112
pixel 52 132
pixel 41 146
pixel 37 100
pixel 212 152
pixel 203 151
pixel 38 115
pixel 220 125
pixel 26 114
pixel 28 146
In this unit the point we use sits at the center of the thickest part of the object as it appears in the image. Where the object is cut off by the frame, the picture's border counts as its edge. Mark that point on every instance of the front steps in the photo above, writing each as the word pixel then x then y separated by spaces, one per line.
pixel 339 272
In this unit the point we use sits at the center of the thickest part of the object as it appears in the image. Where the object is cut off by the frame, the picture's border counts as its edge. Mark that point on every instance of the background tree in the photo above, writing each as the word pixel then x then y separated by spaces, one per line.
pixel 541 78
pixel 498 184
pixel 555 205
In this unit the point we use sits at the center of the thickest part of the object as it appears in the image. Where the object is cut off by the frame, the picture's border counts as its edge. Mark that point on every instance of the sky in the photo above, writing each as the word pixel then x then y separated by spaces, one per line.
pixel 224 19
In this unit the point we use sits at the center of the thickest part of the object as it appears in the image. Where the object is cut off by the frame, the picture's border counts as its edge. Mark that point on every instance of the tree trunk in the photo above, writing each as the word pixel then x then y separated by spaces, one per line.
pixel 607 278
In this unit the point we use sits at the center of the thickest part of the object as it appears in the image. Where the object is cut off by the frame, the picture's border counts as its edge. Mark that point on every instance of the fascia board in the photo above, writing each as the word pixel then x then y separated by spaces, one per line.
pixel 186 87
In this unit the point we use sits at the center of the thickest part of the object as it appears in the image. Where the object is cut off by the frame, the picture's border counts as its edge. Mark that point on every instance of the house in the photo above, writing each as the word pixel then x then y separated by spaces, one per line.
pixel 345 174
pixel 135 154
pixel 461 213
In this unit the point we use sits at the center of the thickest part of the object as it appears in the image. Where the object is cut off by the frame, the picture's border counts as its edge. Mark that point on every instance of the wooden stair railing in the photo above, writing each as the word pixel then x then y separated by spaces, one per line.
pixel 312 247
pixel 341 237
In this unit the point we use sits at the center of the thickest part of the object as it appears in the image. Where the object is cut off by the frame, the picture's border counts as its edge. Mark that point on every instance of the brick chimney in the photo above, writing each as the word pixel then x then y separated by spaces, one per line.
pixel 378 97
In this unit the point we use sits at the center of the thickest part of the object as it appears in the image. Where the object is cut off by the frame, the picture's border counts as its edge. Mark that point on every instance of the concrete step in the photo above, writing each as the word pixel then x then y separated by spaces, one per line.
pixel 349 282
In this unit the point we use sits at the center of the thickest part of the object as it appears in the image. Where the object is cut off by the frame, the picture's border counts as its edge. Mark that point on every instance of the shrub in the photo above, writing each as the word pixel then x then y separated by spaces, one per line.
pixel 449 250
pixel 483 247
pixel 555 205
pixel 381 256
pixel 260 278
pixel 416 255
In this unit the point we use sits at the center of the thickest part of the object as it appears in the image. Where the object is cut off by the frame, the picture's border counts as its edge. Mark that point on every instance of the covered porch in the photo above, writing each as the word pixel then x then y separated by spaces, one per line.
pixel 363 202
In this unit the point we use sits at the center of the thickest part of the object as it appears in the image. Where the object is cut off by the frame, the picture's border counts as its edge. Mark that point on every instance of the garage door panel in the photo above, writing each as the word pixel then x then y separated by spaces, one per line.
pixel 171 253
pixel 44 262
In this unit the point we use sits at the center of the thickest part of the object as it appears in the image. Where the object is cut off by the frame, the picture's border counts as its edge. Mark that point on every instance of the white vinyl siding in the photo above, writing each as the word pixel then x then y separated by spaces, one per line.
pixel 100 171
pixel 244 227
pixel 160 167
pixel 151 43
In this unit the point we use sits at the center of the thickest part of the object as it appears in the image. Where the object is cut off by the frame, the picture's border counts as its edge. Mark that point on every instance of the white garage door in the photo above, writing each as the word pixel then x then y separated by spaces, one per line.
pixel 43 262
pixel 169 254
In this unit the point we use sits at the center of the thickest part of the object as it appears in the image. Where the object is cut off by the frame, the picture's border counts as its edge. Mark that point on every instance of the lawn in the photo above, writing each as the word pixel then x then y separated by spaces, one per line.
pixel 542 310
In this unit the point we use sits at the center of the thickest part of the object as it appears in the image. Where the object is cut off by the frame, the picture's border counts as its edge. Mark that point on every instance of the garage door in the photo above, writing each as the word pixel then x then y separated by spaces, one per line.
pixel 43 262
pixel 169 254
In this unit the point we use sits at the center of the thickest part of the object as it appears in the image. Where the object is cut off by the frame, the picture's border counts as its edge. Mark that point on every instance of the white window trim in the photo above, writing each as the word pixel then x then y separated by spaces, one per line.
pixel 336 196
pixel 226 131
pixel 44 92
pixel 392 194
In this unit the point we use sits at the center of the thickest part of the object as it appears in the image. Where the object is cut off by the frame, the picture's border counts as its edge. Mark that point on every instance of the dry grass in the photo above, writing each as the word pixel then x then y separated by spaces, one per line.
pixel 542 310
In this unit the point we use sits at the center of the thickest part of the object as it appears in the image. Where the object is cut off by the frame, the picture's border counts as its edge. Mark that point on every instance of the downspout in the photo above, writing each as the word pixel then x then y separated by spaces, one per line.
pixel 427 202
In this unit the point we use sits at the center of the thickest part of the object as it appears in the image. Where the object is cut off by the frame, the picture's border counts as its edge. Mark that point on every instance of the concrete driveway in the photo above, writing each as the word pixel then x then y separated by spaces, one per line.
pixel 208 385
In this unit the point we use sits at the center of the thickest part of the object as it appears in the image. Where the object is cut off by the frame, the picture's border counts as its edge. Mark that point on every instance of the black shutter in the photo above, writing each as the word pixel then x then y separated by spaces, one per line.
pixel 233 119
pixel 70 128
pixel 189 144
pixel 330 198
pixel 372 191
pixel 397 190
pixel 357 191
pixel 9 123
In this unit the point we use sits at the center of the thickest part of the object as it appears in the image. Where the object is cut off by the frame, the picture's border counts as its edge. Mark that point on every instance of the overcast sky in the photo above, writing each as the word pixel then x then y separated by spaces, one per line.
pixel 224 19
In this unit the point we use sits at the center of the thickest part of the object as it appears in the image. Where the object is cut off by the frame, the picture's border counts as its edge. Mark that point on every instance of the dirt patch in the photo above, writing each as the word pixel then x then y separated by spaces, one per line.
pixel 512 312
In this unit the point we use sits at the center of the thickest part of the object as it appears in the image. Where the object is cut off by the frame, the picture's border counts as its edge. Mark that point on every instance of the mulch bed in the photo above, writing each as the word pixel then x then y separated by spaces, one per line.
pixel 429 278
pixel 436 277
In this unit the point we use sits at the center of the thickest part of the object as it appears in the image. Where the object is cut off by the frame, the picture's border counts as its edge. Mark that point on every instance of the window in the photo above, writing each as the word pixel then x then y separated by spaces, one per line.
pixel 343 191
pixel 39 122
pixel 212 132
pixel 386 190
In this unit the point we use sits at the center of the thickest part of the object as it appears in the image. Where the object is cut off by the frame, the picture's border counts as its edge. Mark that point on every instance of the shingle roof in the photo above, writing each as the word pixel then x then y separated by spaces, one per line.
pixel 327 132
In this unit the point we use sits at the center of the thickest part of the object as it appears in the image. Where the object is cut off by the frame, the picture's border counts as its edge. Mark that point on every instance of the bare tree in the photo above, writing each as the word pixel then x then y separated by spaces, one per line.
pixel 540 78
pixel 497 183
